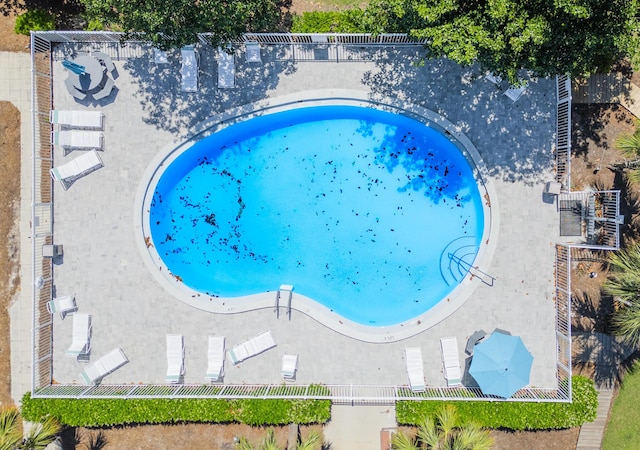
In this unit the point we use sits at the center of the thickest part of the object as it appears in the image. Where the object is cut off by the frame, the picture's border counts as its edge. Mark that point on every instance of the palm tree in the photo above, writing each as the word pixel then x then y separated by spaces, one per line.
pixel 313 441
pixel 39 436
pixel 10 430
pixel 444 432
pixel 624 285
pixel 629 145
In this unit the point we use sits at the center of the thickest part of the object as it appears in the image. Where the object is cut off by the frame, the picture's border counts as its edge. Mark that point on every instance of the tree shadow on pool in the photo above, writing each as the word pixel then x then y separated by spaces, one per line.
pixel 515 139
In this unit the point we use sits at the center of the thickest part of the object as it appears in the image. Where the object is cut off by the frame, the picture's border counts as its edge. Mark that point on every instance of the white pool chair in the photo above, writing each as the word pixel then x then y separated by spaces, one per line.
pixel 107 364
pixel 252 347
pixel 451 361
pixel 189 69
pixel 215 358
pixel 80 336
pixel 160 56
pixel 415 368
pixel 77 139
pixel 514 93
pixel 226 69
pixel 175 358
pixel 69 173
pixel 495 79
pixel 289 367
pixel 253 52
pixel 77 119
pixel 62 305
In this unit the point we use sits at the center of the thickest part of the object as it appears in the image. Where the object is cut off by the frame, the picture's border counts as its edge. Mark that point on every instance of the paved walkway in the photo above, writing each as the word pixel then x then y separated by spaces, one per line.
pixel 591 433
pixel 358 427
pixel 15 87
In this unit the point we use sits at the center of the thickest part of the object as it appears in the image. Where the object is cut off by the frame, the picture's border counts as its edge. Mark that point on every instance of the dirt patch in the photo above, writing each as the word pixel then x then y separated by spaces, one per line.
pixel 539 440
pixel 9 235
pixel 192 436
pixel 9 40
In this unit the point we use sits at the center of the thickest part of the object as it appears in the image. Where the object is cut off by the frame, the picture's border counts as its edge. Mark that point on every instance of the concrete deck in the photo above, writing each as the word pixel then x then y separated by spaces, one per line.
pixel 103 267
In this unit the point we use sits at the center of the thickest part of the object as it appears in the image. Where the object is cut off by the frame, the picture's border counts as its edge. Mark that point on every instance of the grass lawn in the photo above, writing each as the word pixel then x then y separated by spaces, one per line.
pixel 622 430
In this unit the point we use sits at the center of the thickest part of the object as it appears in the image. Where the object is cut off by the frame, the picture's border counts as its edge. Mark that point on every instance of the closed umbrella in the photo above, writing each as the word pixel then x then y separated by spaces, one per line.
pixel 501 365
pixel 73 67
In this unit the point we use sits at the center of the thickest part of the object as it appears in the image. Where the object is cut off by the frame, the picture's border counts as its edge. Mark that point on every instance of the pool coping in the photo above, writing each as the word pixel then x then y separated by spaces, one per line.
pixel 301 303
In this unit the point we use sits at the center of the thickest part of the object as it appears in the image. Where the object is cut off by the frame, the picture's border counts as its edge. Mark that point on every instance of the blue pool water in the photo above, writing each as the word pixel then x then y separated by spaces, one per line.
pixel 353 206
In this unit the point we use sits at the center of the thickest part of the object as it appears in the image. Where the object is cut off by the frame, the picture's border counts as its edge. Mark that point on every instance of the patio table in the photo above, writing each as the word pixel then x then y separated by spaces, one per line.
pixel 93 76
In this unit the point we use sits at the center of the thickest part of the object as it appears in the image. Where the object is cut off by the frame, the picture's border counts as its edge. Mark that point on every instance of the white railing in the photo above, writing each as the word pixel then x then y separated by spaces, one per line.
pixel 42 232
pixel 41 212
pixel 563 131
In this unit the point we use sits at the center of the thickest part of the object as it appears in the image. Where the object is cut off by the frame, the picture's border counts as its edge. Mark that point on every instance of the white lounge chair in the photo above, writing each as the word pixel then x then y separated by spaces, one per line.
pixel 175 358
pixel 514 93
pixel 451 361
pixel 160 56
pixel 81 335
pixel 62 305
pixel 215 357
pixel 107 364
pixel 253 52
pixel 189 69
pixel 69 173
pixel 77 139
pixel 495 79
pixel 77 119
pixel 226 69
pixel 254 346
pixel 289 367
pixel 415 368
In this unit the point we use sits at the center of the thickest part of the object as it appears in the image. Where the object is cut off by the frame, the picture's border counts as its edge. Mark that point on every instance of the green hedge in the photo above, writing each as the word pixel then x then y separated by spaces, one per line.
pixel 35 20
pixel 110 412
pixel 350 21
pixel 513 415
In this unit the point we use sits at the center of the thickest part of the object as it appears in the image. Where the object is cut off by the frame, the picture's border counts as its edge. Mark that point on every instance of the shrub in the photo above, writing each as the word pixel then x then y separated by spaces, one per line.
pixel 110 412
pixel 95 25
pixel 349 21
pixel 513 415
pixel 35 20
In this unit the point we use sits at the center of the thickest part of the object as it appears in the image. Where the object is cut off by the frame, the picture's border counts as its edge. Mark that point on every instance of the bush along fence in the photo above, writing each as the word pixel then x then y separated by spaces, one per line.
pixel 110 412
pixel 513 415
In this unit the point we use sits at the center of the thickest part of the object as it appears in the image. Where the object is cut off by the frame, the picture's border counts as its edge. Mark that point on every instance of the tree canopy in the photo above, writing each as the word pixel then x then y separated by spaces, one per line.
pixel 174 23
pixel 546 37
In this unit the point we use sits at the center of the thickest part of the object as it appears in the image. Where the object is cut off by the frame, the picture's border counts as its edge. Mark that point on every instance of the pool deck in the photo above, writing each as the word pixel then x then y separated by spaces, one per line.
pixel 102 265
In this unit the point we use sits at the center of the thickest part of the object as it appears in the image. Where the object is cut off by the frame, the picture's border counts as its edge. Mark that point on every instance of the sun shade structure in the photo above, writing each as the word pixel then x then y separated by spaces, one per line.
pixel 501 365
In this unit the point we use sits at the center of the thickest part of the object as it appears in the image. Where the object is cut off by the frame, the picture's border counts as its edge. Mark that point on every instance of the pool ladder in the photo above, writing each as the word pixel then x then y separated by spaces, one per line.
pixel 284 288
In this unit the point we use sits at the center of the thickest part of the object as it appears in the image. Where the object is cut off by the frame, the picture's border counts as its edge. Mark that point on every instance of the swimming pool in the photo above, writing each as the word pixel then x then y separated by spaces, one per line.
pixel 372 215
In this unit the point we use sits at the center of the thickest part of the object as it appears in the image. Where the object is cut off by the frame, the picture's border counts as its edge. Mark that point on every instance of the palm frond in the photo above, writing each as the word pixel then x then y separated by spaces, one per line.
pixel 626 322
pixel 629 145
pixel 41 434
pixel 269 442
pixel 447 421
pixel 429 433
pixel 471 436
pixel 10 432
pixel 402 441
pixel 633 176
pixel 313 439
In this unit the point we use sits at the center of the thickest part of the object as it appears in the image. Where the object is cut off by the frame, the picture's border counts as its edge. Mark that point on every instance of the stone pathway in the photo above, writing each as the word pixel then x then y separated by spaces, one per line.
pixel 591 433
pixel 606 353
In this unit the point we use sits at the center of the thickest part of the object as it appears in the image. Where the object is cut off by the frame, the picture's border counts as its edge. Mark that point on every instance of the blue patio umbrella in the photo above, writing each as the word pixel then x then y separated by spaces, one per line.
pixel 73 67
pixel 501 365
